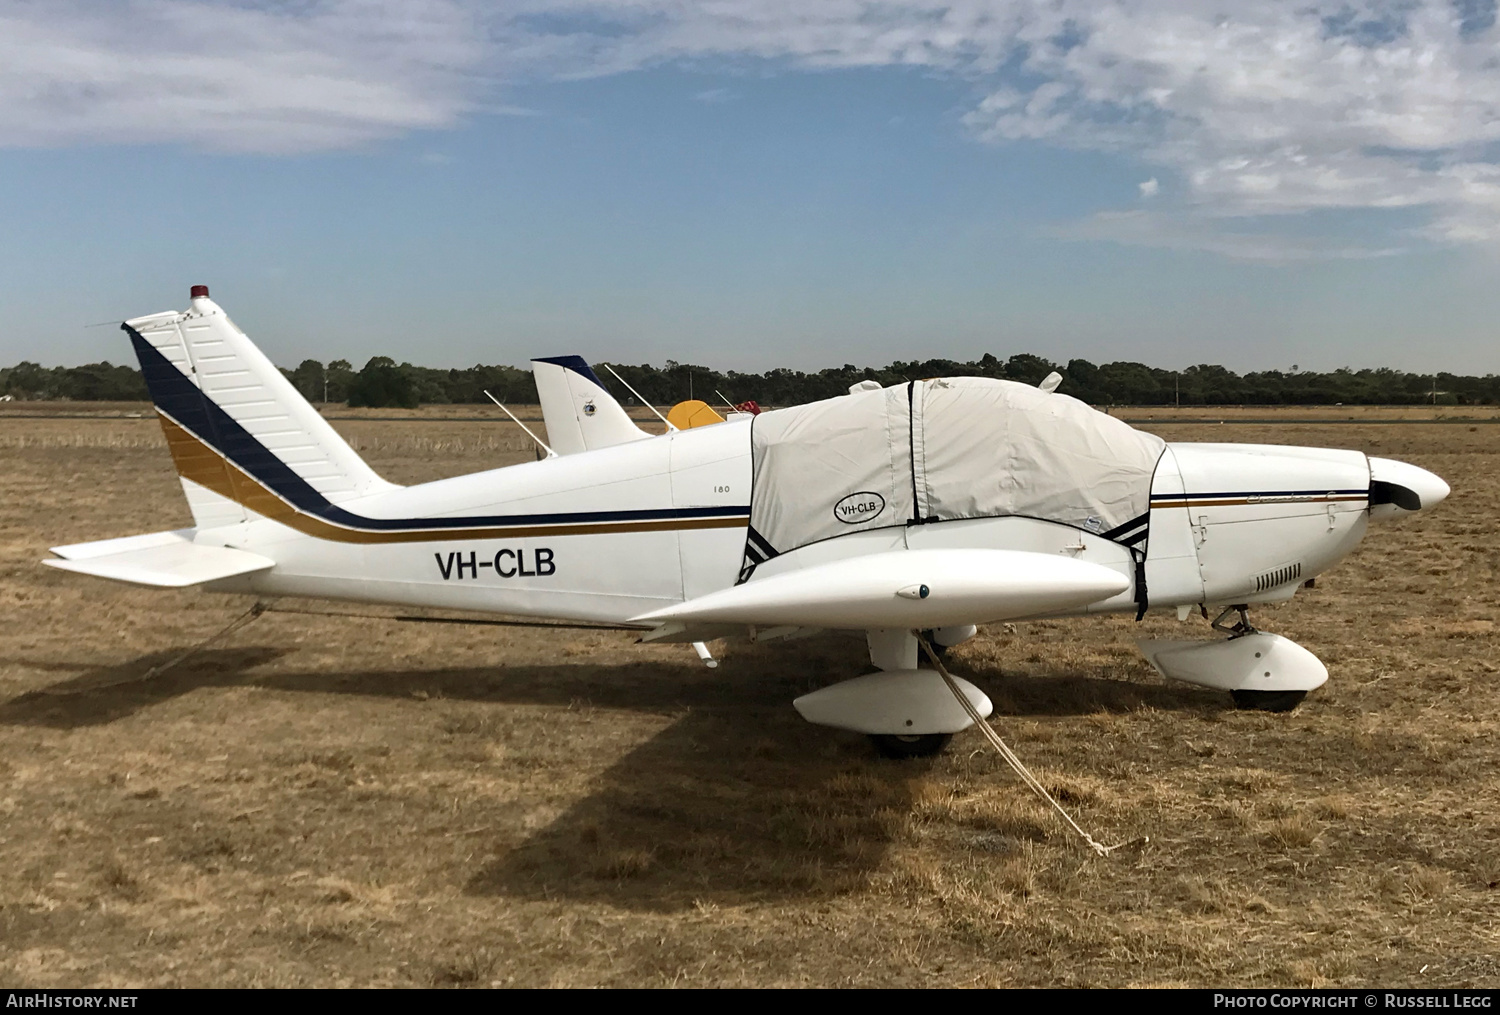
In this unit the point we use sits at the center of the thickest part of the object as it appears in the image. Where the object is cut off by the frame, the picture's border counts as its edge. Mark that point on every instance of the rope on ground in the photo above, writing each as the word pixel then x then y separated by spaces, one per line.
pixel 1005 752
pixel 234 625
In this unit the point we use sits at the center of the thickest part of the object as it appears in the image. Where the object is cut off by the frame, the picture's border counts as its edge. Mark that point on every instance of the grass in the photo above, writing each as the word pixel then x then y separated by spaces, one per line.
pixel 362 801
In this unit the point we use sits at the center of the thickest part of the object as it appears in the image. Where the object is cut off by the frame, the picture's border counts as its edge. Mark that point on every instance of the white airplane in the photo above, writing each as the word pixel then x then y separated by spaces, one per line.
pixel 923 508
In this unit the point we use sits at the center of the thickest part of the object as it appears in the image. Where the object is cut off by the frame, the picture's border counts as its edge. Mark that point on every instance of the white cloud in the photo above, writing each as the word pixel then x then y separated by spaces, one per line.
pixel 227 76
pixel 1149 188
pixel 1257 109
pixel 1273 109
pixel 1240 239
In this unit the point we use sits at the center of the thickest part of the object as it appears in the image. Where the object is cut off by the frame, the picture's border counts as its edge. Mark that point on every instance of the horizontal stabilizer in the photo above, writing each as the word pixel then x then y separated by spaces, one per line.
pixel 103 547
pixel 162 560
pixel 907 588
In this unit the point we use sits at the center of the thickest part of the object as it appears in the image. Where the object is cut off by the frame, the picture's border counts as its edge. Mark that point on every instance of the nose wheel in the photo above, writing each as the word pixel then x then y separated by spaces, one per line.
pixel 895 745
pixel 1248 699
pixel 1262 672
pixel 1267 701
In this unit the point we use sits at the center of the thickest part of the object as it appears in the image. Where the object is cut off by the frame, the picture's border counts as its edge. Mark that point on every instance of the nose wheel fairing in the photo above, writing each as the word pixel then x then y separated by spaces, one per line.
pixel 1252 662
pixel 894 704
pixel 1261 670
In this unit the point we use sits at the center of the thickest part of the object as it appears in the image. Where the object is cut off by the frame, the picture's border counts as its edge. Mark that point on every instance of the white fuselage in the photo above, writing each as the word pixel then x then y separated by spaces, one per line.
pixel 1229 524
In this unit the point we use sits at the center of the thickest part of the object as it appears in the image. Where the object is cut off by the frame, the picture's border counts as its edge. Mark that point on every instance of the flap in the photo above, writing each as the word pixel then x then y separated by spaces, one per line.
pixel 177 564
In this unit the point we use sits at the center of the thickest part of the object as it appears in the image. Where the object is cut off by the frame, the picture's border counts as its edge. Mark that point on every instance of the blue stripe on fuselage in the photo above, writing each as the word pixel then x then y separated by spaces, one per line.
pixel 178 397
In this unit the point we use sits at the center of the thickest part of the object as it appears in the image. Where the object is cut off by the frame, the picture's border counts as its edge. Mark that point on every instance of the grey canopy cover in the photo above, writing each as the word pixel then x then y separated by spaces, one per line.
pixel 930 451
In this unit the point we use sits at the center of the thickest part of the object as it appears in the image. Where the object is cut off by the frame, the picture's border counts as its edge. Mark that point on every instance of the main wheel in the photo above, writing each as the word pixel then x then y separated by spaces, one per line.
pixel 897 745
pixel 1268 701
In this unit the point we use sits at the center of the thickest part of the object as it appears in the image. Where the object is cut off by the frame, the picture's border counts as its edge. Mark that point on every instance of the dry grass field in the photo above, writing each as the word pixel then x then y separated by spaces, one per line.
pixel 365 800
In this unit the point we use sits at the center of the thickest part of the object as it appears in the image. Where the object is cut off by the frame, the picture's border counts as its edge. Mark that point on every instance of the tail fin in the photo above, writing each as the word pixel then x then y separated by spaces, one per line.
pixel 229 414
pixel 580 414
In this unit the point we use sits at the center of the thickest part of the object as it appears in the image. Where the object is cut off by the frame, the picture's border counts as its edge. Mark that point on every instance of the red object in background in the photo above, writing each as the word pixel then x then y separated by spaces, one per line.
pixel 751 407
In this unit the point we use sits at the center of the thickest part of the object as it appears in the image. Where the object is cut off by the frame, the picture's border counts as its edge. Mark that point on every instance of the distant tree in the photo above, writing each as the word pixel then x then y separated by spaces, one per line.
pixel 1131 384
pixel 430 385
pixel 1027 369
pixel 340 375
pixel 382 384
pixel 508 384
pixel 308 379
pixel 25 380
pixel 1079 378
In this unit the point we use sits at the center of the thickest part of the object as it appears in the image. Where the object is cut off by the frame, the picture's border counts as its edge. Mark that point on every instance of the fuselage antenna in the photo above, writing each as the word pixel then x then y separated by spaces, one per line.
pixel 637 394
pixel 732 406
pixel 523 426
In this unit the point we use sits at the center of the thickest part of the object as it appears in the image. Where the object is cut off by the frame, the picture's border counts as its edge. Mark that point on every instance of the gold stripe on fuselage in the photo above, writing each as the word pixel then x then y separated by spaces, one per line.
pixel 1190 502
pixel 200 463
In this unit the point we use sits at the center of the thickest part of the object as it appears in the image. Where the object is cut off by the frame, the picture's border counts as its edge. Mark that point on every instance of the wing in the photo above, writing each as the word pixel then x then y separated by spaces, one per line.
pixel 906 589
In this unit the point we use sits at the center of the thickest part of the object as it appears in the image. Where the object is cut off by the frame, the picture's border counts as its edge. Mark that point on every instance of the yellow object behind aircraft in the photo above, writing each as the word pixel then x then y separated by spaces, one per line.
pixel 686 415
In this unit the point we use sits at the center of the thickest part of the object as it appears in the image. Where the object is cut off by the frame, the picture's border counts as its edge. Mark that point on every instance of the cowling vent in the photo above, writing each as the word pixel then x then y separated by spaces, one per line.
pixel 1280 576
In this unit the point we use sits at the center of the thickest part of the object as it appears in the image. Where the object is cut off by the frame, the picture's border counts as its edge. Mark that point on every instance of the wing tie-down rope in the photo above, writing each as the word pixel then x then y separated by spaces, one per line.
pixel 1014 762
pixel 234 625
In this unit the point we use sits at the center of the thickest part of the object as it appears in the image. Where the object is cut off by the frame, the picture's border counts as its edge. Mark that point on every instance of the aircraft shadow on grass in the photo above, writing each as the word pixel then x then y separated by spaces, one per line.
pixel 737 800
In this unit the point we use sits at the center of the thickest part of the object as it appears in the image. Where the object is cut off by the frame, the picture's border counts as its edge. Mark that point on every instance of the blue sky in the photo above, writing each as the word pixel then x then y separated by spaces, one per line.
pixel 749 185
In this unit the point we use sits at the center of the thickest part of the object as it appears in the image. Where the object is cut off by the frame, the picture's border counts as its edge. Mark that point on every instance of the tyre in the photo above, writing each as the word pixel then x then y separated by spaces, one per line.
pixel 1268 701
pixel 924 745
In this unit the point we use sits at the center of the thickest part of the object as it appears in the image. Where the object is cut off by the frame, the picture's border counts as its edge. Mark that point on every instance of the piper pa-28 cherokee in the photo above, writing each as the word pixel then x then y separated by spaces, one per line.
pixel 921 509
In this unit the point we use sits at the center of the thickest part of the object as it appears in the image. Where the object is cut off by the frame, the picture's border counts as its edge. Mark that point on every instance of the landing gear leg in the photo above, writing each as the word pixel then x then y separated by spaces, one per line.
pixel 1252 700
pixel 1240 627
pixel 938 647
pixel 943 638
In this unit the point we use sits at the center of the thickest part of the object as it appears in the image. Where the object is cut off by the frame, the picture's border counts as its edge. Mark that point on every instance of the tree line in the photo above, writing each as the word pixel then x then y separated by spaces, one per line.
pixel 382 383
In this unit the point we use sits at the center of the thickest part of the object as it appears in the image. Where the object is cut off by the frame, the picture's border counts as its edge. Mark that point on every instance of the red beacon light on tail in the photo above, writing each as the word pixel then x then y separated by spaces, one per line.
pixel 198 291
